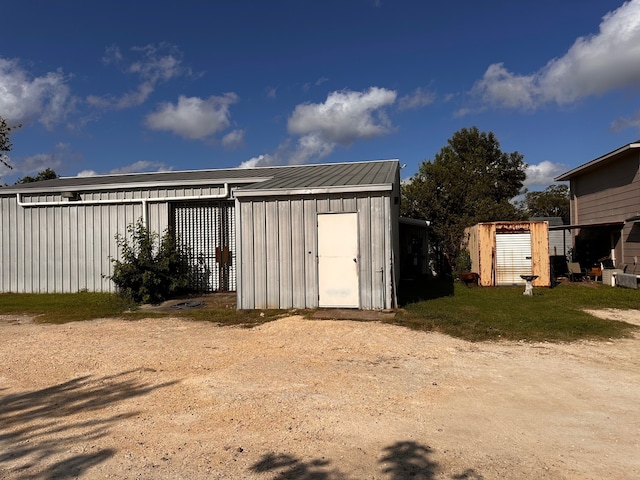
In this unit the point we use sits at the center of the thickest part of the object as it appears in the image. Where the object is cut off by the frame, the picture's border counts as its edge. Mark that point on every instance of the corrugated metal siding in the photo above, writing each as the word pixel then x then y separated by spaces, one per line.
pixel 67 248
pixel 48 249
pixel 278 265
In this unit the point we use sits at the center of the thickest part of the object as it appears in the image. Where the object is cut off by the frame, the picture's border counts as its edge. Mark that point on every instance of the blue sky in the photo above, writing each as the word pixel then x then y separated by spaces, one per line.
pixel 118 87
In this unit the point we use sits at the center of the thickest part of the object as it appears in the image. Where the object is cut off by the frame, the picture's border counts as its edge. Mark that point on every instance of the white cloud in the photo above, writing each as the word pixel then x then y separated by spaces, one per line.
pixel 345 117
pixel 159 63
pixel 543 173
pixel 593 65
pixel 135 167
pixel 418 99
pixel 24 98
pixel 156 63
pixel 500 87
pixel 59 156
pixel 126 100
pixel 141 166
pixel 193 117
pixel 624 122
pixel 259 161
pixel 307 86
pixel 233 139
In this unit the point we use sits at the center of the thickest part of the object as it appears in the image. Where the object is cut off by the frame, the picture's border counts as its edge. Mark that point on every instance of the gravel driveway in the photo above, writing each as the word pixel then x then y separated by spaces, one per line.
pixel 310 399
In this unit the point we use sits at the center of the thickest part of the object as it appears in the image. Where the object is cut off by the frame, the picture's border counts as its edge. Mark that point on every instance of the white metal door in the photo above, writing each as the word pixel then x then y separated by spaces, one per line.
pixel 338 260
pixel 513 257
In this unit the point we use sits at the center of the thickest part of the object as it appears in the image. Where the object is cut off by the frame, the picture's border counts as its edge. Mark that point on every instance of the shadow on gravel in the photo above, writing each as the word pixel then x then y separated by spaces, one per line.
pixel 32 433
pixel 401 461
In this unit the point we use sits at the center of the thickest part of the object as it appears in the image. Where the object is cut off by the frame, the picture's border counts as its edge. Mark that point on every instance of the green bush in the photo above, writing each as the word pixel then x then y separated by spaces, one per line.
pixel 153 268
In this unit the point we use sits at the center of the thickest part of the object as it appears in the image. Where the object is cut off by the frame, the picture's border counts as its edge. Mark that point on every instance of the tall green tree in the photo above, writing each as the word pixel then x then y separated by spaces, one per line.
pixel 46 174
pixel 470 180
pixel 551 202
pixel 5 142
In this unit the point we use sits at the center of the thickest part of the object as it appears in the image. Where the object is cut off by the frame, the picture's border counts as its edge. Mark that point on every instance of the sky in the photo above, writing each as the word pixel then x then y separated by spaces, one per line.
pixel 141 86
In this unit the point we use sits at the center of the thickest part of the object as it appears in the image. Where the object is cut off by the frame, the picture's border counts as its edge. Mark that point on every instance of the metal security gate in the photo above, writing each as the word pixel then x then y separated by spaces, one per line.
pixel 208 231
pixel 513 257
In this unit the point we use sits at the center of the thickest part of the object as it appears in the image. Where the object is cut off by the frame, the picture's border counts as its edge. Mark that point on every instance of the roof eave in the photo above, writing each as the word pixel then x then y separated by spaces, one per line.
pixel 586 166
pixel 269 192
pixel 206 182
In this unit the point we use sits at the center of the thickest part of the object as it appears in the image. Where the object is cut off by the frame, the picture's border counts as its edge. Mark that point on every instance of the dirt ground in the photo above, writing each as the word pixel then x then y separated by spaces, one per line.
pixel 311 400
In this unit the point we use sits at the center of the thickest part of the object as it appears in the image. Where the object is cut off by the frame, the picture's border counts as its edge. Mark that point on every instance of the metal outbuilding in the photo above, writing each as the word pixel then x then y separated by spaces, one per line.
pixel 301 236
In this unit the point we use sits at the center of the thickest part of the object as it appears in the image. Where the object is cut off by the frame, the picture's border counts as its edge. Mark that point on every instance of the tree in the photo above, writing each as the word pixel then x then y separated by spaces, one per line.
pixel 47 174
pixel 469 181
pixel 5 142
pixel 551 202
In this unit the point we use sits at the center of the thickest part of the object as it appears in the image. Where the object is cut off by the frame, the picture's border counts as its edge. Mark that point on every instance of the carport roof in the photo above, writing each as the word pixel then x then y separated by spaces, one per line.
pixel 281 180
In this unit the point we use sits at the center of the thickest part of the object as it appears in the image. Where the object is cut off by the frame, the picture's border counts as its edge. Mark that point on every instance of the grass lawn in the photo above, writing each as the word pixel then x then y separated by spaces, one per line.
pixel 73 307
pixel 472 313
pixel 492 313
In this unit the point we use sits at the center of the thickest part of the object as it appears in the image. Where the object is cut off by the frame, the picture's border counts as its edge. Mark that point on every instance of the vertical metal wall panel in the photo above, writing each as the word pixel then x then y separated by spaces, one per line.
pixel 378 247
pixel 260 255
pixel 285 252
pixel 298 254
pixel 274 258
pixel 310 226
pixel 246 274
pixel 279 248
pixel 366 274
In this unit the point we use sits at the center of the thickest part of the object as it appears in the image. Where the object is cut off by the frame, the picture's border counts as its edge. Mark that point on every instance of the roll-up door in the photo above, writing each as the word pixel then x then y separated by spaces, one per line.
pixel 208 232
pixel 513 257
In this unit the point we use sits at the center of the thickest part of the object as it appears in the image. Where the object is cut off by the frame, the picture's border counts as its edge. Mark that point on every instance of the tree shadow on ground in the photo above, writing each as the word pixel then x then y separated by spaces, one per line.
pixel 289 467
pixel 402 460
pixel 31 434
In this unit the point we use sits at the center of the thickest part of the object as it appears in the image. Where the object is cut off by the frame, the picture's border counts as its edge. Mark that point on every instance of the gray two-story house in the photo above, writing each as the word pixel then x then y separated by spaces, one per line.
pixel 605 209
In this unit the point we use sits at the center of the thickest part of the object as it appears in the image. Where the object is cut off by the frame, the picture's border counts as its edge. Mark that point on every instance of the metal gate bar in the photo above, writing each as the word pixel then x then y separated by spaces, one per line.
pixel 207 230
